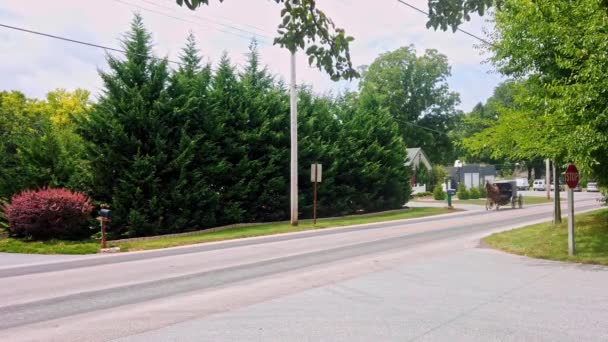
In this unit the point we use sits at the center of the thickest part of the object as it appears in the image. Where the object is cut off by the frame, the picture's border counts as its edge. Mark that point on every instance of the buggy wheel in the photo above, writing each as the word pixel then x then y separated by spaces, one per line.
pixel 520 201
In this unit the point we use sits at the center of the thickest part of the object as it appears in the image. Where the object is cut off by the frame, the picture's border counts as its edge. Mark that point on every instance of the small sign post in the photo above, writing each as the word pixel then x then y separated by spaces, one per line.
pixel 316 171
pixel 571 176
pixel 104 217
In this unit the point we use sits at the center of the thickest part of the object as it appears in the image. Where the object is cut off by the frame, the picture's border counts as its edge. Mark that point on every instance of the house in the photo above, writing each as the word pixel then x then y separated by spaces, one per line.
pixel 471 175
pixel 416 158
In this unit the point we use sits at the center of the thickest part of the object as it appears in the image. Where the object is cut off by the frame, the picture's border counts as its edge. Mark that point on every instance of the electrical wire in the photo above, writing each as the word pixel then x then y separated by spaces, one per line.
pixel 422 127
pixel 232 24
pixel 107 48
pixel 458 29
pixel 257 36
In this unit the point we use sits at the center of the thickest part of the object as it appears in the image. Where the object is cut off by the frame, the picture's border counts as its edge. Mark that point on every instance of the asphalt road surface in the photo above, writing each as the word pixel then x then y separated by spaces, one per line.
pixel 420 279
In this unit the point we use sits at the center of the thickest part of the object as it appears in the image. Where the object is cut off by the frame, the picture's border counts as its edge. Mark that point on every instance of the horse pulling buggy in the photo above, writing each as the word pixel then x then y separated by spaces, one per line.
pixel 503 193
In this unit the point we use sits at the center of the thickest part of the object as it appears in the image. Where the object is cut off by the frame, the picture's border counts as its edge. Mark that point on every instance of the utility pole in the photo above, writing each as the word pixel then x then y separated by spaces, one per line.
pixel 294 142
pixel 548 178
pixel 557 210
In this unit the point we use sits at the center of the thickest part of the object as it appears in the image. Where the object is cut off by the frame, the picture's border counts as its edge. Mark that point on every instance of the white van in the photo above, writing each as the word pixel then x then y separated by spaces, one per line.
pixel 522 183
pixel 592 187
pixel 539 185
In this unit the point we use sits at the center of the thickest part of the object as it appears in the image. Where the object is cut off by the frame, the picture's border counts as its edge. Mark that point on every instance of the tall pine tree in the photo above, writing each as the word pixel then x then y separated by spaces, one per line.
pixel 130 137
pixel 193 199
pixel 265 135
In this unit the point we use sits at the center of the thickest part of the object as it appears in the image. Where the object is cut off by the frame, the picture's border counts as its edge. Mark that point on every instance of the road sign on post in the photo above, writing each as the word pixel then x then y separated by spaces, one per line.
pixel 571 177
pixel 316 172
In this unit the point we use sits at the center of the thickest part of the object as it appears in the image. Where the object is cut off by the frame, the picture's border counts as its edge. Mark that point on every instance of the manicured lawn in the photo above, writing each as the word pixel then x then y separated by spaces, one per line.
pixel 10 245
pixel 278 228
pixel 548 241
pixel 89 247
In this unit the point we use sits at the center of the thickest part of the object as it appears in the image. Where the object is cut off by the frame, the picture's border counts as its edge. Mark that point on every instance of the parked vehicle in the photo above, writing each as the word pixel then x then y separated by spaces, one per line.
pixel 578 188
pixel 561 187
pixel 539 185
pixel 522 183
pixel 592 187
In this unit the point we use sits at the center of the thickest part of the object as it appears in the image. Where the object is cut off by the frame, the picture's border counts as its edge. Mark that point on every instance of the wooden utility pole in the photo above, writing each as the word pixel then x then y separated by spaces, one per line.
pixel 294 142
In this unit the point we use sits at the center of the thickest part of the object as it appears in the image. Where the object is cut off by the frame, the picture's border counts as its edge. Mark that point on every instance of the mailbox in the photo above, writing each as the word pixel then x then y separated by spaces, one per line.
pixel 105 213
pixel 451 192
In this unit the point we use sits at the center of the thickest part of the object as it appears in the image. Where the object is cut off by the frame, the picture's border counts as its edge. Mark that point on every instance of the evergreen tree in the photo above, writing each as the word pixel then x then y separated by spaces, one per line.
pixel 266 138
pixel 232 164
pixel 193 198
pixel 372 167
pixel 318 132
pixel 129 131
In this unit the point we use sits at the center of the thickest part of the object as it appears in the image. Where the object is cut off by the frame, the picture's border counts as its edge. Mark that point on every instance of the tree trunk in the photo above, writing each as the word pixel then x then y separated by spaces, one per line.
pixel 557 211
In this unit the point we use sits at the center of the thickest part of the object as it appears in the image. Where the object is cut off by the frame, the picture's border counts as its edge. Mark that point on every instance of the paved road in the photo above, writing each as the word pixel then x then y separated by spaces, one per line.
pixel 424 278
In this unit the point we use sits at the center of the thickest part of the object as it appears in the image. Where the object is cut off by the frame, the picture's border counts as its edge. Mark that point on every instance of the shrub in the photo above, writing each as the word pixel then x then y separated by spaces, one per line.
pixel 423 194
pixel 463 194
pixel 3 221
pixel 438 193
pixel 474 193
pixel 49 213
pixel 482 192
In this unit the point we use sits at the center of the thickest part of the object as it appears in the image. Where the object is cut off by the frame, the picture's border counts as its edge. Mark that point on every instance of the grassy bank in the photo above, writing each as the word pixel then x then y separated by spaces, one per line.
pixel 548 241
pixel 10 245
pixel 89 247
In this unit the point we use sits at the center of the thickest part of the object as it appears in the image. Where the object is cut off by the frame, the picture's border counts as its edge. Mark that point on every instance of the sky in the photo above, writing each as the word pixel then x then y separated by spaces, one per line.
pixel 36 65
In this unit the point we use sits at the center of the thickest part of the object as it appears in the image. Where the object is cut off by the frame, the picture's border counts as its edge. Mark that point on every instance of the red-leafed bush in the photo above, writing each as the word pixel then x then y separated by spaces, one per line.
pixel 49 214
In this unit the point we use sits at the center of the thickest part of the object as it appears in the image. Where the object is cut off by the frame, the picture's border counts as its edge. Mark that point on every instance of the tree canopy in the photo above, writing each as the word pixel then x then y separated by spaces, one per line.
pixel 304 26
pixel 196 147
pixel 415 92
pixel 556 49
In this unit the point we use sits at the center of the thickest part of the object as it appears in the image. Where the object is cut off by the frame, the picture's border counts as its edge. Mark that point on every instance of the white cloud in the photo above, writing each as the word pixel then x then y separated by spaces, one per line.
pixel 36 65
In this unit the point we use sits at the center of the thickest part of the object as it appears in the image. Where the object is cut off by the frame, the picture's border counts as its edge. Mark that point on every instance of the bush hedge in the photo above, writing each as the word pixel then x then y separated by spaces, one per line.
pixel 474 193
pixel 49 214
pixel 482 192
pixel 463 193
pixel 423 194
pixel 438 193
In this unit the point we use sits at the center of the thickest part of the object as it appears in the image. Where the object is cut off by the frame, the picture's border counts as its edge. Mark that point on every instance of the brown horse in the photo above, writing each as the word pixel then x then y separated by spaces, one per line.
pixel 492 195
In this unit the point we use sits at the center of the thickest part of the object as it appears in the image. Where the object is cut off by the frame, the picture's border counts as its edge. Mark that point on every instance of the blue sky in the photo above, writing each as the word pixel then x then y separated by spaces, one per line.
pixel 36 65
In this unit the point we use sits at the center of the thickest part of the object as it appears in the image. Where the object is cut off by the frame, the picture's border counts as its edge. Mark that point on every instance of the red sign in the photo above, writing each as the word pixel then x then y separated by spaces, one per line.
pixel 571 176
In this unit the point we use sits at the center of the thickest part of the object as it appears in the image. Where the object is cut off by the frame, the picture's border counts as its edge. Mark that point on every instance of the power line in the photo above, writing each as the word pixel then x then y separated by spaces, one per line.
pixel 107 48
pixel 422 127
pixel 263 41
pixel 213 20
pixel 458 29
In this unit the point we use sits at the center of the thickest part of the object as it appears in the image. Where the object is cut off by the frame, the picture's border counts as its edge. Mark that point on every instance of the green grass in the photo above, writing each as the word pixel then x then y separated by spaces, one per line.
pixel 277 228
pixel 88 247
pixel 10 245
pixel 548 241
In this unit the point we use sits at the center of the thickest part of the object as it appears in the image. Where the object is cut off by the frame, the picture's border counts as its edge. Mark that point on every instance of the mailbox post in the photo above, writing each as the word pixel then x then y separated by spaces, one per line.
pixel 449 192
pixel 105 215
